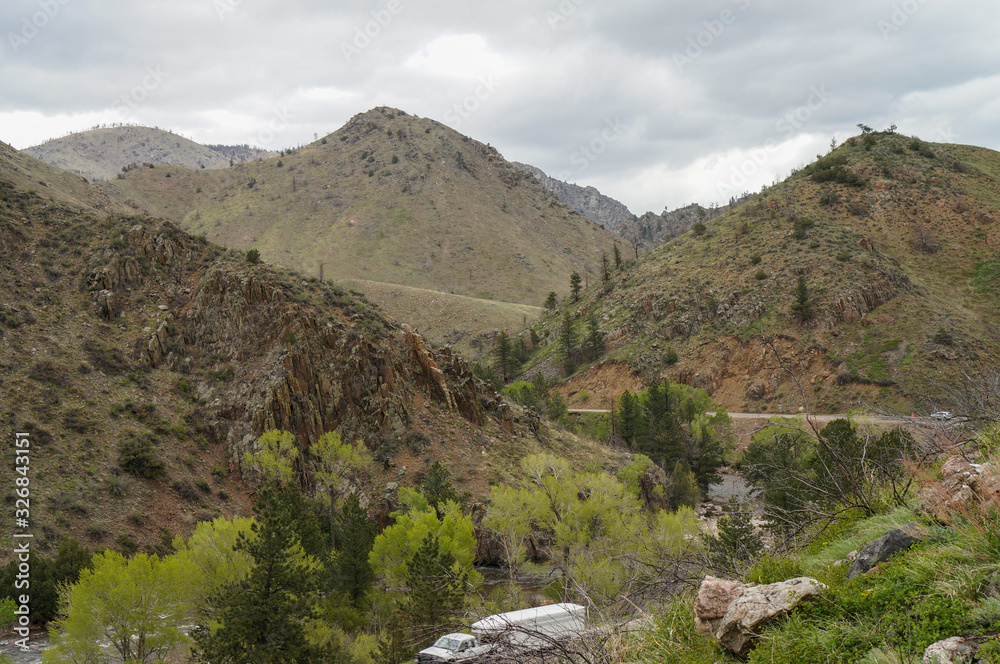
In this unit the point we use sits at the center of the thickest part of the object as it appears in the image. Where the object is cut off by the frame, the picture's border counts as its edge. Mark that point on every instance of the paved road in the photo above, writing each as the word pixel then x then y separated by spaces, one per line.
pixel 884 419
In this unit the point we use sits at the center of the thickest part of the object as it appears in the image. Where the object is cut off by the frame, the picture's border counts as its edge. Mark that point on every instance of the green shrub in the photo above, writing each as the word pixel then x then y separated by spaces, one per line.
pixel 760 276
pixel 137 456
pixel 755 259
pixel 670 357
pixel 772 569
pixel 253 256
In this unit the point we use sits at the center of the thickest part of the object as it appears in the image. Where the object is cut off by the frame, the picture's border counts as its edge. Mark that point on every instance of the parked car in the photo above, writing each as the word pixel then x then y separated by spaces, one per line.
pixel 942 415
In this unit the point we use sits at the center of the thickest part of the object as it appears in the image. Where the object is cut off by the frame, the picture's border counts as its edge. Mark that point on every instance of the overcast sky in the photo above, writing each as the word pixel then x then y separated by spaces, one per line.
pixel 657 103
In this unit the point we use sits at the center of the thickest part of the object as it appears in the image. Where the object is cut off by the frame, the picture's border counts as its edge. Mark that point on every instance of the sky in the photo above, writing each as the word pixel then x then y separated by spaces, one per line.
pixel 657 103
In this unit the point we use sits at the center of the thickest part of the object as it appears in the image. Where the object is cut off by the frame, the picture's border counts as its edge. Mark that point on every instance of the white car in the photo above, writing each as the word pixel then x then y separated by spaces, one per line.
pixel 942 415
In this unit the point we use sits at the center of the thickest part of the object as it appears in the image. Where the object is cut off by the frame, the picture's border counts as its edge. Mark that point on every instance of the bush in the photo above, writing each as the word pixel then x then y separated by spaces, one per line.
pixel 755 259
pixel 670 357
pixel 760 276
pixel 943 337
pixel 185 490
pixel 253 256
pixel 137 456
pixel 699 229
pixel 771 569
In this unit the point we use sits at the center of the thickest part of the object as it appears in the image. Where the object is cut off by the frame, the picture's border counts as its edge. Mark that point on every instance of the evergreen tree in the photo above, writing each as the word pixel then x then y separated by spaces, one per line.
pixel 737 545
pixel 436 593
pixel 605 270
pixel 802 306
pixel 567 337
pixel 502 353
pixel 595 341
pixel 438 489
pixel 262 619
pixel 628 417
pixel 618 258
pixel 355 535
pixel 550 301
pixel 574 285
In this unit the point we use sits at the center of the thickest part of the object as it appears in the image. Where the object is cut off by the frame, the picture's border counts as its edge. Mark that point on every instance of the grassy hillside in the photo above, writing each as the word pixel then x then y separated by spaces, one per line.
pixel 896 242
pixel 388 197
pixel 124 338
pixel 101 153
pixel 467 324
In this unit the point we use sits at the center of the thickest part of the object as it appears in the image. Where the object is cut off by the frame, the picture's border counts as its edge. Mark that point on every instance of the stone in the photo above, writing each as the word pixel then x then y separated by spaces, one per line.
pixel 880 550
pixel 759 604
pixel 714 597
pixel 955 650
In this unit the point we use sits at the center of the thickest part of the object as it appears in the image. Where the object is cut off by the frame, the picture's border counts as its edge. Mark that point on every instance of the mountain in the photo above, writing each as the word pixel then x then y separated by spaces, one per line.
pixel 588 201
pixel 130 347
pixel 644 232
pixel 101 153
pixel 388 198
pixel 894 241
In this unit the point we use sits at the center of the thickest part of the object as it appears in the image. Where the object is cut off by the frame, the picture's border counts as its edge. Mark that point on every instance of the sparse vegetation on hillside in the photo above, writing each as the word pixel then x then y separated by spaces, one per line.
pixel 820 276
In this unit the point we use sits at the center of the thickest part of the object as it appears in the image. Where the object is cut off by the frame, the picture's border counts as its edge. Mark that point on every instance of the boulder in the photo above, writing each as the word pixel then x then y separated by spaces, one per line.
pixel 955 650
pixel 881 549
pixel 714 597
pixel 758 604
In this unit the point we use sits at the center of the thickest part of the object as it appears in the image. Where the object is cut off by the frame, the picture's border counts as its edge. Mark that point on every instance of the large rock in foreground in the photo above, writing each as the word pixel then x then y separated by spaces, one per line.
pixel 714 597
pixel 758 604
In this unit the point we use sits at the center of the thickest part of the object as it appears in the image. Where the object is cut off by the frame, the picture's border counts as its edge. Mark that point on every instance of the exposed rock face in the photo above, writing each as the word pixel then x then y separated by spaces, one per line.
pixel 879 550
pixel 292 369
pixel 961 483
pixel 758 604
pixel 955 650
pixel 714 597
pixel 588 201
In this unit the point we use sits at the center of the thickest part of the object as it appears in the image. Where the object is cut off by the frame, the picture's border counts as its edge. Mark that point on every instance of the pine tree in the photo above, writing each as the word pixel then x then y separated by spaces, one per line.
pixel 436 593
pixel 738 545
pixel 567 337
pixel 550 301
pixel 595 342
pixel 618 258
pixel 355 534
pixel 574 285
pixel 262 618
pixel 628 417
pixel 605 270
pixel 503 356
pixel 802 306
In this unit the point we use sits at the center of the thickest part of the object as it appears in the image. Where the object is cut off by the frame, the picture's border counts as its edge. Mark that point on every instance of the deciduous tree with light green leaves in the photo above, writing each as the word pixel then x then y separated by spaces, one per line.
pixel 394 547
pixel 592 527
pixel 332 461
pixel 137 605
pixel 275 457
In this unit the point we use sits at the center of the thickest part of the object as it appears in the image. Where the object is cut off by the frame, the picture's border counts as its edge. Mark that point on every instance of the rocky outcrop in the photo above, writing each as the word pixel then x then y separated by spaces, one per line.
pixel 296 367
pixel 851 305
pixel 962 484
pixel 955 650
pixel 588 201
pixel 714 597
pixel 879 550
pixel 748 607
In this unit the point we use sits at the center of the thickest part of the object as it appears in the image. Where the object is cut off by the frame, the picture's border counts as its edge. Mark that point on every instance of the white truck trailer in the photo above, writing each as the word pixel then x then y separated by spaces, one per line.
pixel 507 633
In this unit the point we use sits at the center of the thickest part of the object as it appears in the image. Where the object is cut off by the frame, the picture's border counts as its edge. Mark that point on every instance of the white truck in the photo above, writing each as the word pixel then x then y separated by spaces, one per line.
pixel 508 633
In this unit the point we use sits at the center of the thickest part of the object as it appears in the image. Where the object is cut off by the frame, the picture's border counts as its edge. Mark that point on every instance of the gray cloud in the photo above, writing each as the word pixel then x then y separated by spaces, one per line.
pixel 656 103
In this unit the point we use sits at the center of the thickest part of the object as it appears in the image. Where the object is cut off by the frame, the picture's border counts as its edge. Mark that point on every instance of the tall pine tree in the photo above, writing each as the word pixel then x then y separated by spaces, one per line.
pixel 262 619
